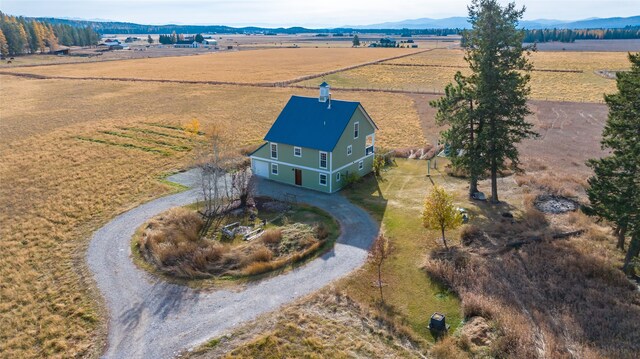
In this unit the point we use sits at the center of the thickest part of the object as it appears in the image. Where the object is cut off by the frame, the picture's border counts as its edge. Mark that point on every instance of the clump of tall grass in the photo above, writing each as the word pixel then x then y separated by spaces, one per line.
pixel 545 297
pixel 171 242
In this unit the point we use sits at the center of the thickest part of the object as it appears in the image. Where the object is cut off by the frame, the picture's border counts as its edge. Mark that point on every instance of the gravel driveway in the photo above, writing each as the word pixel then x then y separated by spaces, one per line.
pixel 150 318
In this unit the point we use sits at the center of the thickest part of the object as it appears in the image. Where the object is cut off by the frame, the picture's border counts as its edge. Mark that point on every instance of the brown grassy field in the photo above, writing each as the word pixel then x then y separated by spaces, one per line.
pixel 433 70
pixel 323 325
pixel 242 66
pixel 76 153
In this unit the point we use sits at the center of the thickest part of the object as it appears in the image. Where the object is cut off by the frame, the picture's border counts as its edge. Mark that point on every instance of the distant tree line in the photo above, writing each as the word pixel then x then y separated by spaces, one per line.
pixel 567 35
pixel 19 35
pixel 170 39
pixel 110 27
pixel 173 38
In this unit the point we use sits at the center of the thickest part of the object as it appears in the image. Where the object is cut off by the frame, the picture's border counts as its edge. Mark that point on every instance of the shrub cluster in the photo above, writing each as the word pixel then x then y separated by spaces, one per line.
pixel 532 296
pixel 171 242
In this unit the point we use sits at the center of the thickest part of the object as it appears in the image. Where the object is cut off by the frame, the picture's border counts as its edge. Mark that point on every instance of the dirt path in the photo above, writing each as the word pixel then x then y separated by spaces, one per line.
pixel 150 318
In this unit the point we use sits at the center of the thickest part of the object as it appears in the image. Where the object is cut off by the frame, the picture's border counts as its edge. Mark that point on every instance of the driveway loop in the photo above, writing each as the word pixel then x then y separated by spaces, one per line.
pixel 151 318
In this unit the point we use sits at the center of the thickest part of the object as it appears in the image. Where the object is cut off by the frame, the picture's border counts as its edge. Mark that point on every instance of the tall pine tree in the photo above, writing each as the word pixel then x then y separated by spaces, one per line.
pixel 486 111
pixel 456 109
pixel 500 80
pixel 614 190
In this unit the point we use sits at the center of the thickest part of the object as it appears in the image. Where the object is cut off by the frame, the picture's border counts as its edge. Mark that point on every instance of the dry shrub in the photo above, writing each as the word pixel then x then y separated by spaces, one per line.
pixel 448 348
pixel 456 172
pixel 554 183
pixel 534 219
pixel 261 254
pixel 260 267
pixel 171 243
pixel 321 231
pixel 470 234
pixel 271 236
pixel 171 237
pixel 479 305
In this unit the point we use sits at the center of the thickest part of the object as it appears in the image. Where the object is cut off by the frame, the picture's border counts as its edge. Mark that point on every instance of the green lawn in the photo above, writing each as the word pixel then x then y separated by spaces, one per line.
pixel 396 201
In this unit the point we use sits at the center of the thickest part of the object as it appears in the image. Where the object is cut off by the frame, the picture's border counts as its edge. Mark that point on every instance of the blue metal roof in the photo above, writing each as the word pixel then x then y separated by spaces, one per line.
pixel 307 122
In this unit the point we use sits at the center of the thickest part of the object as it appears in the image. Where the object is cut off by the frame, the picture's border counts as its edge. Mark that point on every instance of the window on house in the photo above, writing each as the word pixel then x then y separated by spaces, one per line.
pixel 297 151
pixel 323 179
pixel 274 150
pixel 274 169
pixel 349 150
pixel 368 146
pixel 360 165
pixel 323 160
pixel 338 177
pixel 356 130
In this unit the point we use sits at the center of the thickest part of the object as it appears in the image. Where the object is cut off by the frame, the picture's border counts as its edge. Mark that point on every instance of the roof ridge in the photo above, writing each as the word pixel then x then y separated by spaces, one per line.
pixel 332 99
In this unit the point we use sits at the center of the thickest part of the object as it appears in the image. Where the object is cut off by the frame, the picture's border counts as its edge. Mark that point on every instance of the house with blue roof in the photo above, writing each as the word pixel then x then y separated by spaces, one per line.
pixel 317 143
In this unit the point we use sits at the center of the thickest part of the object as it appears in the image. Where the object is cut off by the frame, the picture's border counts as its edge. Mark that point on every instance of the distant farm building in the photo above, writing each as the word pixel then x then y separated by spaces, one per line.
pixel 187 44
pixel 384 42
pixel 63 50
pixel 113 44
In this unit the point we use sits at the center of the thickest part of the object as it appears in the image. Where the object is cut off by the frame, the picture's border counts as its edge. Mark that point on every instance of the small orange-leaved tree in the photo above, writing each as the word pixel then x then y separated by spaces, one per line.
pixel 439 212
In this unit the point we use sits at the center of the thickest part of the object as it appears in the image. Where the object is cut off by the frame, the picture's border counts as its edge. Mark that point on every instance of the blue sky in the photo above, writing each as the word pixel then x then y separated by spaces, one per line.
pixel 322 13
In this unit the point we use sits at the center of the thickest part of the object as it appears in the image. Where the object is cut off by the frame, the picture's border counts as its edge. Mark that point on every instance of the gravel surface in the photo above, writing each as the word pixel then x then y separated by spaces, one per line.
pixel 150 318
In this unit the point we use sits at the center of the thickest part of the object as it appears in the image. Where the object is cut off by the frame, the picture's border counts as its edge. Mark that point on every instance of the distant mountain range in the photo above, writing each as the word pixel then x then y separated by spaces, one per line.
pixel 424 26
pixel 462 23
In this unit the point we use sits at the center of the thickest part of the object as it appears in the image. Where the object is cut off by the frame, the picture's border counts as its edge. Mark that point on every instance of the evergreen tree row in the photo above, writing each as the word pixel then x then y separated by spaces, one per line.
pixel 170 39
pixel 567 35
pixel 26 36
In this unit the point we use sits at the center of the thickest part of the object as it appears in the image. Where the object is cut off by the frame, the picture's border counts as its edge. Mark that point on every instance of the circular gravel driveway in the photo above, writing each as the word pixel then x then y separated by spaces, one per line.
pixel 150 318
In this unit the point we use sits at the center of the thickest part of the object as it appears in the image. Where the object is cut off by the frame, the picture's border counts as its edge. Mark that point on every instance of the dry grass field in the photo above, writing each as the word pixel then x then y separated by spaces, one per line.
pixel 269 65
pixel 431 71
pixel 324 325
pixel 76 153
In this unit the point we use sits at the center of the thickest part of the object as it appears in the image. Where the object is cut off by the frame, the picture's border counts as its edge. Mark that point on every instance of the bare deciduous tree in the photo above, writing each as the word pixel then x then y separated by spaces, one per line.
pixel 216 186
pixel 379 252
pixel 242 183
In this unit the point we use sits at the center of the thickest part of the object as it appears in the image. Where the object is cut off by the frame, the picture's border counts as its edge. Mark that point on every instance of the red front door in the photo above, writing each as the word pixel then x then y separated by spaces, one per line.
pixel 298 177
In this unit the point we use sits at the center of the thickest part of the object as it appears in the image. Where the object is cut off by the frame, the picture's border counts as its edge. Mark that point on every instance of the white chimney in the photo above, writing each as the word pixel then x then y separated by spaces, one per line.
pixel 324 92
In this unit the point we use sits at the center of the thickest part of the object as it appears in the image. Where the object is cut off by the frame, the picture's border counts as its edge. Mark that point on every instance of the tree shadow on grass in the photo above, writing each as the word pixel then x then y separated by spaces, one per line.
pixel 162 300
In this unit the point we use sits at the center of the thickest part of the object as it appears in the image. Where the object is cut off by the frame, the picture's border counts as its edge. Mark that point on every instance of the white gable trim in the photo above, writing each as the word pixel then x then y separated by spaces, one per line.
pixel 289 164
pixel 351 163
pixel 366 115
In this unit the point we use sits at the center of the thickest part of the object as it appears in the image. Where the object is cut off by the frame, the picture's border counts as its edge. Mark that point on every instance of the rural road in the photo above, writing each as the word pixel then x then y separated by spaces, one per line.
pixel 150 318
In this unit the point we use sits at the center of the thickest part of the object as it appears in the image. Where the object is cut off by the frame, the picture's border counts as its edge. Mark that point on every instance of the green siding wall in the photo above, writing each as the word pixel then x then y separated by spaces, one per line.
pixel 310 179
pixel 367 167
pixel 340 157
pixel 288 162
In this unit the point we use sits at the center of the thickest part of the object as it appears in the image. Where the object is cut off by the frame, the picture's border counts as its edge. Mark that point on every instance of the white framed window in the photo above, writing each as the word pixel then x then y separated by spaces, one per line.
pixel 349 150
pixel 360 165
pixel 356 130
pixel 323 179
pixel 274 169
pixel 274 151
pixel 338 177
pixel 297 151
pixel 323 159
